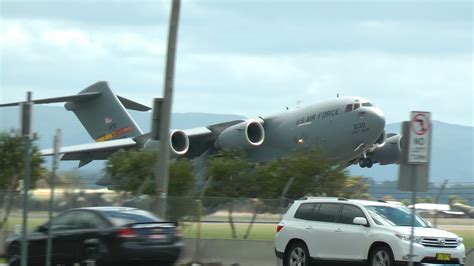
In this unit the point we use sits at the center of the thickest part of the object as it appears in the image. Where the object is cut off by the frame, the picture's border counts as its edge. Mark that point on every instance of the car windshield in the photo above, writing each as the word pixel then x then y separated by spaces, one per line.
pixel 120 218
pixel 394 216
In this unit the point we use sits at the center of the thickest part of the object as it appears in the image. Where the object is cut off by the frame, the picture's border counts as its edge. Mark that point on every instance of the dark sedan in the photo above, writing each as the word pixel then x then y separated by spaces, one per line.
pixel 103 236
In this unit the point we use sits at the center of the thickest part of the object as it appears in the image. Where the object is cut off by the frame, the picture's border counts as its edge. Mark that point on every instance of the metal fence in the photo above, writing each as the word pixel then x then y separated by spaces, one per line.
pixel 216 208
pixel 206 210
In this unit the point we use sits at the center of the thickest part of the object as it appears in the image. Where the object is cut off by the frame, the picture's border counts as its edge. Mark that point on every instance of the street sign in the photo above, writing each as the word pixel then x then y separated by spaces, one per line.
pixel 419 138
pixel 411 177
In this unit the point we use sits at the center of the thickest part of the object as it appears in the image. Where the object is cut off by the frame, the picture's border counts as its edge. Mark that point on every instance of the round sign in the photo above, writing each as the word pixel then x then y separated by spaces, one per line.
pixel 420 124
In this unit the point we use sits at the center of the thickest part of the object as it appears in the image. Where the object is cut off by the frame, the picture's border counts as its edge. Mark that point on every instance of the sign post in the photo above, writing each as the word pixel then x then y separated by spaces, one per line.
pixel 26 110
pixel 414 164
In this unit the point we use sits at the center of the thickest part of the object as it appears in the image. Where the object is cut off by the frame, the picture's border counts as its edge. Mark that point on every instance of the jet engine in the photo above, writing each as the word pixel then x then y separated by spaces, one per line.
pixel 179 143
pixel 246 135
pixel 389 151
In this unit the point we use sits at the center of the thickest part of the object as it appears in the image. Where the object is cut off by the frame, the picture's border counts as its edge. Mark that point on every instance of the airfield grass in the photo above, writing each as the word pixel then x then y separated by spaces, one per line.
pixel 268 231
pixel 223 231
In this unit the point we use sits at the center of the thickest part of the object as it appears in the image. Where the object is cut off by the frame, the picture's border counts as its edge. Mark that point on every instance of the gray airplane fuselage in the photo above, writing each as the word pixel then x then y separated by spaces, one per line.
pixel 342 133
pixel 347 130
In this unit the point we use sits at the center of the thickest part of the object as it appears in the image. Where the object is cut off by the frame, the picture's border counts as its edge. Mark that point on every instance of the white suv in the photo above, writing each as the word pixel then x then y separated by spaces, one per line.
pixel 356 230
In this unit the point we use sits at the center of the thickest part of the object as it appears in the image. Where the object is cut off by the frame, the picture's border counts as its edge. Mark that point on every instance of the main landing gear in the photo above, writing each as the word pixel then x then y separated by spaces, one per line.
pixel 365 162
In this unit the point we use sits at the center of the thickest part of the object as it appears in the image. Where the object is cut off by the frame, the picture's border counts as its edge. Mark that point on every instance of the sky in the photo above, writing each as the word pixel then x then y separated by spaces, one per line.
pixel 250 58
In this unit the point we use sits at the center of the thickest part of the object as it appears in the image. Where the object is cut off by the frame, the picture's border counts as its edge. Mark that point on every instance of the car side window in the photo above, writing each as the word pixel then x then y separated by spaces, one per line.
pixel 89 220
pixel 327 212
pixel 305 211
pixel 64 221
pixel 349 212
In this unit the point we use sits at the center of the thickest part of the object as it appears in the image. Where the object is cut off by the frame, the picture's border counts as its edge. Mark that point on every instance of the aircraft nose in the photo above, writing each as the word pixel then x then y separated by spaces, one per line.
pixel 377 119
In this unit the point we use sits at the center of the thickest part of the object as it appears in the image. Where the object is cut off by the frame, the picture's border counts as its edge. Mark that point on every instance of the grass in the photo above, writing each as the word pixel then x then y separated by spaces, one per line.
pixel 223 231
pixel 33 223
pixel 268 231
pixel 468 236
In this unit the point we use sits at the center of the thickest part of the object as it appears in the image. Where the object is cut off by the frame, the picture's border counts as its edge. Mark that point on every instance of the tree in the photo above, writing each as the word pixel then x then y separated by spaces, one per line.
pixel 312 174
pixel 12 165
pixel 11 161
pixel 229 170
pixel 452 199
pixel 424 200
pixel 356 188
pixel 131 171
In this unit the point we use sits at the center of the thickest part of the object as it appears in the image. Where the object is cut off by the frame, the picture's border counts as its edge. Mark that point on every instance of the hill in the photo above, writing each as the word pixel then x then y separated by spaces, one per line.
pixel 452 153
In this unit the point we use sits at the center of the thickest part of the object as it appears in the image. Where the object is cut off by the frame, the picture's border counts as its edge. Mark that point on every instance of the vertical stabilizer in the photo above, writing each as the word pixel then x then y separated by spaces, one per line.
pixel 104 116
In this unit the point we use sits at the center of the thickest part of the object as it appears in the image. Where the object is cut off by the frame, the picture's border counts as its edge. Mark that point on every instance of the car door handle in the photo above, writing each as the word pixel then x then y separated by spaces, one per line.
pixel 309 227
pixel 338 230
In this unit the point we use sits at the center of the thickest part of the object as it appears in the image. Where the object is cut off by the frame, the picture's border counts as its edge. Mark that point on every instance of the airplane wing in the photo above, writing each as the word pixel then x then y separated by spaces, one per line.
pixel 85 153
pixel 203 138
pixel 104 116
pixel 200 139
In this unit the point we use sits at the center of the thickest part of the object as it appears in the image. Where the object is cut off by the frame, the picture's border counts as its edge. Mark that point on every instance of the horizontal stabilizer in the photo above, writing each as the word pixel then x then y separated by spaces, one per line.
pixel 71 98
pixel 86 153
pixel 129 104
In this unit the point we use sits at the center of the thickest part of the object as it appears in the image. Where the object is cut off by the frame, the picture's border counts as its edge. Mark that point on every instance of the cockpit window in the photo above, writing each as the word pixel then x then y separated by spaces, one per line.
pixel 367 104
pixel 348 107
pixel 356 106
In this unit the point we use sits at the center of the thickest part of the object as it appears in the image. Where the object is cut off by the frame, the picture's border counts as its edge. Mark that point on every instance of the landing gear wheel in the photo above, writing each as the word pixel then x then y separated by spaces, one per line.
pixel 381 256
pixel 297 255
pixel 368 163
pixel 365 162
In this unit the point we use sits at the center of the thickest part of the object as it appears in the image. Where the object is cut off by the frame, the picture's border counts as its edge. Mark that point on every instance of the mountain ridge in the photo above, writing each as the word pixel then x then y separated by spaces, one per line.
pixel 452 153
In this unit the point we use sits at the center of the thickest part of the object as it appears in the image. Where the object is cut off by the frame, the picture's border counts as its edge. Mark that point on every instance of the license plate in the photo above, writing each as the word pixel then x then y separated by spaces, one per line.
pixel 443 256
pixel 156 236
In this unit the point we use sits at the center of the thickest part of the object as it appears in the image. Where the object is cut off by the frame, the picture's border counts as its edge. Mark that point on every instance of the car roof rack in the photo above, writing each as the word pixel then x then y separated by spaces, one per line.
pixel 326 198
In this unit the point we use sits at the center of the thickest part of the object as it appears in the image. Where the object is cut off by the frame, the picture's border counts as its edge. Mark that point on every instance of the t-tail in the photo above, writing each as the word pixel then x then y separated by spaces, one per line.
pixel 103 113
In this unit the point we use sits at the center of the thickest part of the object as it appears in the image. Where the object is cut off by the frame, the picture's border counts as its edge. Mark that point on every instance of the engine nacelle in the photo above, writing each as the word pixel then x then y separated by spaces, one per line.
pixel 245 135
pixel 389 152
pixel 179 143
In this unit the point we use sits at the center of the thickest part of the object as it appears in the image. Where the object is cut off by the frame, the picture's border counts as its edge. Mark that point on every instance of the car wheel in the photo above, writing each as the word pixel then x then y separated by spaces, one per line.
pixel 381 256
pixel 297 255
pixel 14 255
pixel 91 256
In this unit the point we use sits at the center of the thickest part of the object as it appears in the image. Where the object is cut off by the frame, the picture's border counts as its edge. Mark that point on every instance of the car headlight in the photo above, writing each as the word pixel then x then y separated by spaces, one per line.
pixel 406 237
pixel 460 240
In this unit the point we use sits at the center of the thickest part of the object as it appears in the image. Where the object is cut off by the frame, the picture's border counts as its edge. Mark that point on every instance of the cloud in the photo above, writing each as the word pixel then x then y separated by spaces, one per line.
pixel 247 58
pixel 89 12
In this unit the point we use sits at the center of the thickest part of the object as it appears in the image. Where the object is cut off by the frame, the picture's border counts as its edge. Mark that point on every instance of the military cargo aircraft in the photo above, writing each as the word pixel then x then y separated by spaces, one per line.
pixel 349 130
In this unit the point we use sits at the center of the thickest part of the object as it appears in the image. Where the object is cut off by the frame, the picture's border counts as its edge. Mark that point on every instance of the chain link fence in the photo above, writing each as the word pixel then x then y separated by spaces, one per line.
pixel 211 217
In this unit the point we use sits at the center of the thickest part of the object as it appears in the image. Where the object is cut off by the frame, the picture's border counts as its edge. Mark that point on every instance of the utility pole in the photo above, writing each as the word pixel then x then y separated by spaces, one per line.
pixel 161 171
pixel 26 110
